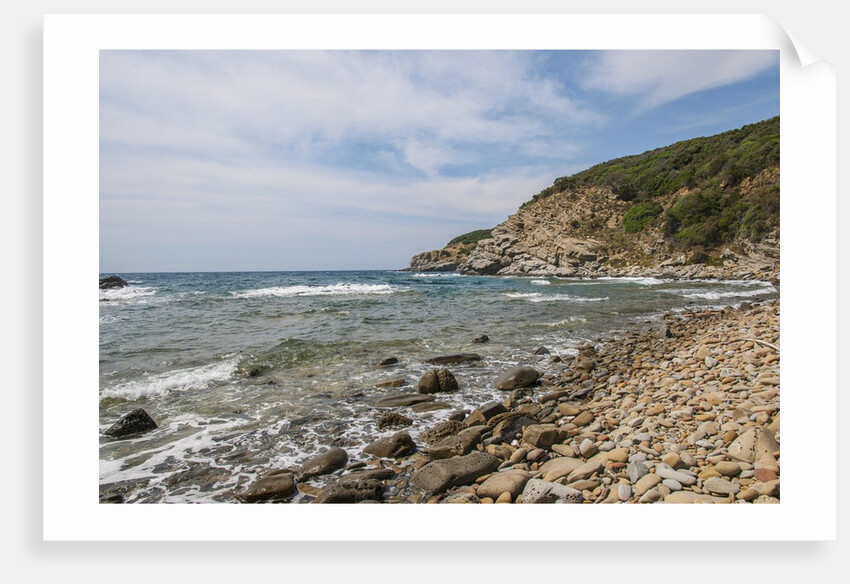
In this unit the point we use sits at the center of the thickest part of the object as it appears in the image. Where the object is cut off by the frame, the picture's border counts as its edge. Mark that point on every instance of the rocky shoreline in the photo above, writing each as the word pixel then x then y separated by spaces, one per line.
pixel 687 412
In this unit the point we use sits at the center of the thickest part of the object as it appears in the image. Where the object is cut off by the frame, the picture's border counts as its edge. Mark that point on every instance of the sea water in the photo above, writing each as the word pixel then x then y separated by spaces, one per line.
pixel 248 372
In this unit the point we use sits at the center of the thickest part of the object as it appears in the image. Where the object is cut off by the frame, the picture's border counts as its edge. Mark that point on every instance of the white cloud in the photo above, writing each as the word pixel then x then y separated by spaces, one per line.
pixel 659 77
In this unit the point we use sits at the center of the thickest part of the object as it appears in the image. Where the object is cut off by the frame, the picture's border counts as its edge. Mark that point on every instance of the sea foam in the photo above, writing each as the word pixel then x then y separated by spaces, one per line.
pixel 178 380
pixel 341 289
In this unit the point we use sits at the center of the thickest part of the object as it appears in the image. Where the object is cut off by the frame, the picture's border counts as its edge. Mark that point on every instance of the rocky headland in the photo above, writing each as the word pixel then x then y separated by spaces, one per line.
pixel 702 208
pixel 682 412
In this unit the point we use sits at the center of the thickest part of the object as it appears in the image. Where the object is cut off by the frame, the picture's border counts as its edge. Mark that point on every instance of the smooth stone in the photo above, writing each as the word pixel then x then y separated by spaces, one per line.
pixel 556 468
pixel 587 448
pixel 509 481
pixel 672 484
pixel 727 468
pixel 504 498
pixel 624 492
pixel 665 472
pixel 585 471
pixel 647 482
pixel 568 410
pixel 689 497
pixel 718 486
pixel 651 496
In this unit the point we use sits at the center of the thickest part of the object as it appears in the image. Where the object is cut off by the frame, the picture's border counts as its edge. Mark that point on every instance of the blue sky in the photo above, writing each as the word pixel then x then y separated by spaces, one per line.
pixel 323 160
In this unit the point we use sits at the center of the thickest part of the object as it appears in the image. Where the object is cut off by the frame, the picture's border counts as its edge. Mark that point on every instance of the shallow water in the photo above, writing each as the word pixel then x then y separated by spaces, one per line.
pixel 247 371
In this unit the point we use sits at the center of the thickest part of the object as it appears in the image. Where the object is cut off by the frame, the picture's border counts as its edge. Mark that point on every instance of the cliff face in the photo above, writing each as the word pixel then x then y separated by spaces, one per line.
pixel 448 259
pixel 580 234
pixel 703 208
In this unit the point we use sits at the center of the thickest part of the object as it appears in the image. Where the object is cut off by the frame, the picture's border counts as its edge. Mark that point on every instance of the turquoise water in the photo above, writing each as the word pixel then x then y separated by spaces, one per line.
pixel 247 371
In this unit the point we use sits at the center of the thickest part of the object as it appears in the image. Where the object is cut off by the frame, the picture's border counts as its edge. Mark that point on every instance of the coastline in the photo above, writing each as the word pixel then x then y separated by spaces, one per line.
pixel 682 412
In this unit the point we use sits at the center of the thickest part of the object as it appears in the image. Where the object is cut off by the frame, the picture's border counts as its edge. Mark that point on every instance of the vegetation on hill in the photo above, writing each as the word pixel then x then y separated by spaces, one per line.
pixel 699 193
pixel 472 237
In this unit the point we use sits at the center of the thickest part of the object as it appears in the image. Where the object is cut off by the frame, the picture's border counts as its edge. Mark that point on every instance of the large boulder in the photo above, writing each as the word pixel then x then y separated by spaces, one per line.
pixel 753 444
pixel 325 463
pixel 275 485
pixel 517 377
pixel 136 422
pixel 440 431
pixel 438 380
pixel 112 282
pixel 439 475
pixel 395 446
pixel 538 491
pixel 457 445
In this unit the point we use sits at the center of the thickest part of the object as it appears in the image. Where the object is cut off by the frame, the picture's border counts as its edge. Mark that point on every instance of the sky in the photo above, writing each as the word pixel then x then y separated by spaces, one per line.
pixel 335 160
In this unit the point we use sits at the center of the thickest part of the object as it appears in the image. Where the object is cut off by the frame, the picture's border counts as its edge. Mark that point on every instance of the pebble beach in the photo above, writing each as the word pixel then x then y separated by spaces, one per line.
pixel 685 411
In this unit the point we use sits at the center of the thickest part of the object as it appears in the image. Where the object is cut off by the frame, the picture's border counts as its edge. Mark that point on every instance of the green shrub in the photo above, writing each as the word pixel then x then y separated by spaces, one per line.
pixel 638 215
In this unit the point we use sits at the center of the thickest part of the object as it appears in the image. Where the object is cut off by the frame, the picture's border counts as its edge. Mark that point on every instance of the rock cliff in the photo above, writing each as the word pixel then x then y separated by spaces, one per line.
pixel 704 208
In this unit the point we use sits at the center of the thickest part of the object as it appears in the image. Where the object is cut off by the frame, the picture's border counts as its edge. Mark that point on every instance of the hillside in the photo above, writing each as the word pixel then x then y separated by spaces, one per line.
pixel 706 207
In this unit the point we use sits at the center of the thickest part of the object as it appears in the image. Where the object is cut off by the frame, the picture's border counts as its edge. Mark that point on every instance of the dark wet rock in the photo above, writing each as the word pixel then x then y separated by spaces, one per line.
pixel 272 486
pixel 517 377
pixel 511 425
pixel 481 339
pixel 393 420
pixel 395 446
pixel 325 463
pixel 541 351
pixel 439 475
pixel 461 498
pixel 351 490
pixel 430 407
pixel 401 399
pixel 136 422
pixel 745 306
pixel 491 409
pixel 110 282
pixel 457 358
pixel 438 380
pixel 253 370
pixel 440 431
pixel 457 415
pixel 457 445
pixel 388 361
pixel 392 383
pixel 378 474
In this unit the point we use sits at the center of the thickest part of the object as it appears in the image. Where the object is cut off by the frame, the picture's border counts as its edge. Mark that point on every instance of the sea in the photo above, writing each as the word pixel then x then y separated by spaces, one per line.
pixel 246 372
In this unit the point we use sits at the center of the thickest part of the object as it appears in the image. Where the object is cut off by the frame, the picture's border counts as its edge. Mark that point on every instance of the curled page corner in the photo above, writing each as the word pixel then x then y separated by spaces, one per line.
pixel 805 56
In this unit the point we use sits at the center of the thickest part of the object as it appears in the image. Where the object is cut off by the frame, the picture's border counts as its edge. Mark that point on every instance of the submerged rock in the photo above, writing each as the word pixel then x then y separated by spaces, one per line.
pixel 401 399
pixel 278 484
pixel 325 463
pixel 136 422
pixel 457 358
